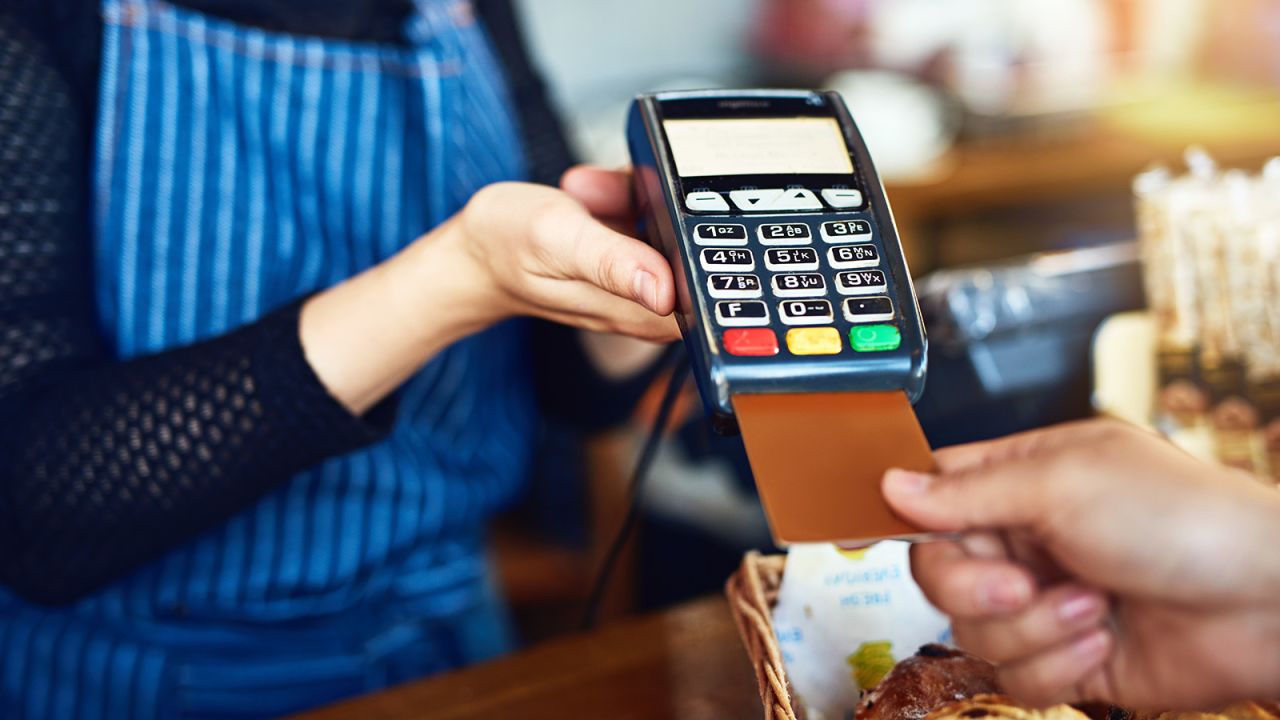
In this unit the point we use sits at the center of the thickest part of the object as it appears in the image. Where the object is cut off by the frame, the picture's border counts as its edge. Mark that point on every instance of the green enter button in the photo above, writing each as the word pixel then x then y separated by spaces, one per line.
pixel 875 338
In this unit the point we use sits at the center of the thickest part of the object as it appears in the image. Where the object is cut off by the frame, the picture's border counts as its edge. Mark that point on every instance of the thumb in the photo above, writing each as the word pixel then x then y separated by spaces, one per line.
pixel 999 495
pixel 619 264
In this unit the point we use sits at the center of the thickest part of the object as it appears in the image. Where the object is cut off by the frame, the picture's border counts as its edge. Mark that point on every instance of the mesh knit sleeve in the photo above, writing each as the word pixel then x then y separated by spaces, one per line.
pixel 103 464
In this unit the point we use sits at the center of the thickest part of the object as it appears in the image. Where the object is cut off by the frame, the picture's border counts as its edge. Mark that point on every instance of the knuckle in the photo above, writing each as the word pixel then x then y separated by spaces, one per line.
pixel 547 224
pixel 945 456
pixel 548 229
pixel 1060 472
pixel 1020 682
pixel 958 484
pixel 538 258
pixel 1030 680
pixel 1097 684
pixel 1110 431
pixel 481 198
pixel 1067 471
pixel 1109 437
pixel 563 241
pixel 608 269
pixel 1019 636
pixel 1059 469
pixel 925 566
pixel 1021 641
pixel 948 594
pixel 487 199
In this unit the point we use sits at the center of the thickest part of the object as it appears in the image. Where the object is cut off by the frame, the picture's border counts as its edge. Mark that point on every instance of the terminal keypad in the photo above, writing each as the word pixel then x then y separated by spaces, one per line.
pixel 819 282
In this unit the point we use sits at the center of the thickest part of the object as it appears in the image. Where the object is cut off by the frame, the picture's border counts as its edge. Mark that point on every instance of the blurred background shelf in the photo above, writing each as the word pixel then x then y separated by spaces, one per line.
pixel 1083 166
pixel 1101 159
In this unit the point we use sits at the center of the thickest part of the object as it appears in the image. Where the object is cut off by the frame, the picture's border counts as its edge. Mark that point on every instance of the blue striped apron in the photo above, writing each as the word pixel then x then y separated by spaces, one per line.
pixel 237 169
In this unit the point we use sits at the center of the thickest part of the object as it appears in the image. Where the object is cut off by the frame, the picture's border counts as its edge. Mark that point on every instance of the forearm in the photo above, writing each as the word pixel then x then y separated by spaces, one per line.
pixel 369 334
pixel 112 464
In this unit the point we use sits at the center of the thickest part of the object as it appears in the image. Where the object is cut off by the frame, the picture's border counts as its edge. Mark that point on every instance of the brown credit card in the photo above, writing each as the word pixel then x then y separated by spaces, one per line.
pixel 818 459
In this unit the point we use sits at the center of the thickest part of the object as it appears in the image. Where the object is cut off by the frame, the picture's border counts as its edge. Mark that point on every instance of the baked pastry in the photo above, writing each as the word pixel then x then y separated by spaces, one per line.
pixel 999 707
pixel 1103 711
pixel 1238 711
pixel 1259 710
pixel 942 683
pixel 934 676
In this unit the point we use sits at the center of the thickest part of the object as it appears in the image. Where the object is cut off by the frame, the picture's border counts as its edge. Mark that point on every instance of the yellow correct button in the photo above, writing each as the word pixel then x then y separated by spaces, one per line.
pixel 813 341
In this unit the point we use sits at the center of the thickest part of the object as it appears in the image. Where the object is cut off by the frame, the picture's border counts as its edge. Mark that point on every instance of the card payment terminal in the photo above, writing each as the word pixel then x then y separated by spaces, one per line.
pixel 793 296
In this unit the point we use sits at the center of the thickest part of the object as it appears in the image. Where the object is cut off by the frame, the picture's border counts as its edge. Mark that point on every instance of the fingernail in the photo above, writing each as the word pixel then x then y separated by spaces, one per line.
pixel 905 482
pixel 1005 593
pixel 1079 608
pixel 1092 647
pixel 645 287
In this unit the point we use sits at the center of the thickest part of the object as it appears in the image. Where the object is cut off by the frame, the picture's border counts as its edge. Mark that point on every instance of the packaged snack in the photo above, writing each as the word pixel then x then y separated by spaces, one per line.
pixel 844 618
pixel 1210 244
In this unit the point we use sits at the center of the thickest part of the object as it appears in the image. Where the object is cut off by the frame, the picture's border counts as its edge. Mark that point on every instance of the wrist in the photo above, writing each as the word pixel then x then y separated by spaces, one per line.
pixel 368 334
pixel 442 290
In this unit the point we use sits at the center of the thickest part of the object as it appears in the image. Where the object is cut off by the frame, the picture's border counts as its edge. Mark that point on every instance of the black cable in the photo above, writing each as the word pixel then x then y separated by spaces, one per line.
pixel 634 489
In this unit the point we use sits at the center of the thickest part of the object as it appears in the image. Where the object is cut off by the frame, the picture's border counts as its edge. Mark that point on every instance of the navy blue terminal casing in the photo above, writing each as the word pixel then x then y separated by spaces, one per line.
pixel 724 219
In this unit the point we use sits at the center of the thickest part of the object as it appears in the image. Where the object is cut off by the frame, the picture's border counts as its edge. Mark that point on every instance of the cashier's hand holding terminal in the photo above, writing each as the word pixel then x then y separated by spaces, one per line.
pixel 568 256
pixel 1099 562
pixel 515 249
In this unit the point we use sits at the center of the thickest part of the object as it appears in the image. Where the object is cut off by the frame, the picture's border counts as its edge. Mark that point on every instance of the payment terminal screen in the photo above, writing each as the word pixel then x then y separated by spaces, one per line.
pixel 757 146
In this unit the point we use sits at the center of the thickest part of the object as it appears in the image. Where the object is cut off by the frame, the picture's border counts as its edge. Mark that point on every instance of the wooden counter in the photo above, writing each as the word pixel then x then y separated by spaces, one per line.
pixel 686 663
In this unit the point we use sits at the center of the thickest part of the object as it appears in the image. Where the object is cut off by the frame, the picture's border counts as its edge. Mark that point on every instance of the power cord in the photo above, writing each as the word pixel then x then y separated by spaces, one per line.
pixel 679 373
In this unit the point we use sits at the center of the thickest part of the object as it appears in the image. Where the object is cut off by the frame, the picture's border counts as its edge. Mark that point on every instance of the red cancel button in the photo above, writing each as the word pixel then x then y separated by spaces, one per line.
pixel 750 341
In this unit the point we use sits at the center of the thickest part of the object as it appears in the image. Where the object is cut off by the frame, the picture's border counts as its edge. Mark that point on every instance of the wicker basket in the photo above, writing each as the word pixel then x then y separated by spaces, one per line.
pixel 752 593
